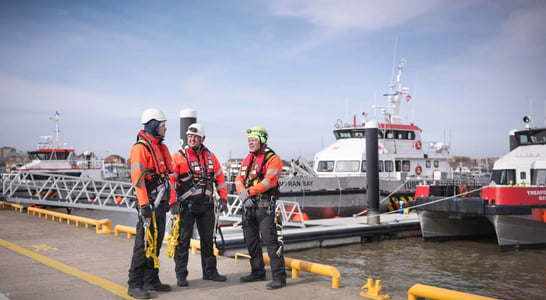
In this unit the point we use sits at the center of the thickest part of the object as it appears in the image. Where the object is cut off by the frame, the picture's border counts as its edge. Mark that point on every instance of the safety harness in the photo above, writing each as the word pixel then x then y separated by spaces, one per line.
pixel 204 175
pixel 153 182
pixel 252 170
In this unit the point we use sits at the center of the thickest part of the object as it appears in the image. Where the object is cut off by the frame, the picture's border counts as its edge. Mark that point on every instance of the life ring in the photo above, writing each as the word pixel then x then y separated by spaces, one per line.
pixel 418 145
pixel 418 170
pixel 463 190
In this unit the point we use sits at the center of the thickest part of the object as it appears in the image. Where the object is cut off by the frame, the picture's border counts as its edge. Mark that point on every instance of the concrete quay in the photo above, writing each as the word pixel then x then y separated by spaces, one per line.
pixel 48 259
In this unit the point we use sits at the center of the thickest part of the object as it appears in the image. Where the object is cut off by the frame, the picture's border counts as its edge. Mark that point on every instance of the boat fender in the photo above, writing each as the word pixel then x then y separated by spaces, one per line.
pixel 418 145
pixel 418 170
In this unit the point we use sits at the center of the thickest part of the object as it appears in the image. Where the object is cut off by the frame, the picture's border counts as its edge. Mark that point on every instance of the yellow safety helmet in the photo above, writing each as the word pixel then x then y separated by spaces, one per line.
pixel 258 132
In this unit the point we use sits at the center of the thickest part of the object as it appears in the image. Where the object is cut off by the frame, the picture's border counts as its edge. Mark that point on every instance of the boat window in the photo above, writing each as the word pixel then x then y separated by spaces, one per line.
pixel 398 165
pixel 390 134
pixel 345 134
pixel 380 166
pixel 347 166
pixel 325 166
pixel 436 163
pixel 411 135
pixel 504 177
pixel 538 177
pixel 358 134
pixel 363 167
pixel 389 166
pixel 380 134
pixel 402 135
pixel 522 175
pixel 405 166
pixel 427 164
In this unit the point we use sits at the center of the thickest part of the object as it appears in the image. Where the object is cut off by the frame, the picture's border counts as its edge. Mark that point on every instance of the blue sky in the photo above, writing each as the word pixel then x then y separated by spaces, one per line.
pixel 474 69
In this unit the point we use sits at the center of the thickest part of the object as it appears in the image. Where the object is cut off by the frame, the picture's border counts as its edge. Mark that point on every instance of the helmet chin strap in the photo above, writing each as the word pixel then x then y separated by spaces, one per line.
pixel 198 148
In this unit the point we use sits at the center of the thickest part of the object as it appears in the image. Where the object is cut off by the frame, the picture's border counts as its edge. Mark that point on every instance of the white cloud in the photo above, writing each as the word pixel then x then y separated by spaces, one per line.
pixel 356 14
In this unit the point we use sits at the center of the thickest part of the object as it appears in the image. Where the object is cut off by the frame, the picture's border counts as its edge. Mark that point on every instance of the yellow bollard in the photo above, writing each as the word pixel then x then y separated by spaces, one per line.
pixel 374 291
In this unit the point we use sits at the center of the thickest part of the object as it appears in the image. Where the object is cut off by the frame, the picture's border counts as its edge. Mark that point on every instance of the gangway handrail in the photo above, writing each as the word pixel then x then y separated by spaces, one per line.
pixel 68 191
pixel 31 187
pixel 290 211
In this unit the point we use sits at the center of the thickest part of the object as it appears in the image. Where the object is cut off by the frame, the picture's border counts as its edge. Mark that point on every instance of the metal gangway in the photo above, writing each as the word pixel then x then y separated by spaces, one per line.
pixel 48 189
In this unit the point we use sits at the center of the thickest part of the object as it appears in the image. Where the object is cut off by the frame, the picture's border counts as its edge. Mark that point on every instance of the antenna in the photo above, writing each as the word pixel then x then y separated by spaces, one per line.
pixel 56 118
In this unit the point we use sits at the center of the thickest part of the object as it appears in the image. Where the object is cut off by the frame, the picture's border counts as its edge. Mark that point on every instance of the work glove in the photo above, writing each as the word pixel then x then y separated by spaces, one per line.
pixel 223 205
pixel 175 209
pixel 248 203
pixel 243 196
pixel 146 211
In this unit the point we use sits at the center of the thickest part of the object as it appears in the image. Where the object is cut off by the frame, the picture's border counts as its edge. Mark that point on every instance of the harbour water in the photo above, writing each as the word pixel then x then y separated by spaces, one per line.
pixel 476 267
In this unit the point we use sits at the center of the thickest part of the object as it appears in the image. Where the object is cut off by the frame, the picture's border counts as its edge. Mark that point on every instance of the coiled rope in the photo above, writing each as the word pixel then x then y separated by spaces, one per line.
pixel 151 243
pixel 172 239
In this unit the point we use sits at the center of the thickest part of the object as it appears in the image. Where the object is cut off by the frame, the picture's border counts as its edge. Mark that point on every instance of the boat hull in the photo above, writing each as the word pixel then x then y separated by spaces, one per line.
pixel 514 226
pixel 519 231
pixel 329 197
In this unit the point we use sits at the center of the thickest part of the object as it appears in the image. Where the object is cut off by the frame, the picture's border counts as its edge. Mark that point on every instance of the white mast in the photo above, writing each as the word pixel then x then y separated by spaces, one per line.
pixel 56 118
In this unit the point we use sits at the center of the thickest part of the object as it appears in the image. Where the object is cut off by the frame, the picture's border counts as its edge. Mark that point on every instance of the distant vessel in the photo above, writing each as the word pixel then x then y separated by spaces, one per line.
pixel 335 185
pixel 49 157
pixel 512 207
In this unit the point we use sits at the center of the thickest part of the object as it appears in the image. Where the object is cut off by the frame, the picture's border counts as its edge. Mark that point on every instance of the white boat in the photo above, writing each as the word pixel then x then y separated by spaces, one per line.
pixel 51 158
pixel 512 207
pixel 335 184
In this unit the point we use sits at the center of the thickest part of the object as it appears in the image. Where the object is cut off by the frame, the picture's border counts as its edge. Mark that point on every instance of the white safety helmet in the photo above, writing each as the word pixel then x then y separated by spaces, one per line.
pixel 152 114
pixel 196 129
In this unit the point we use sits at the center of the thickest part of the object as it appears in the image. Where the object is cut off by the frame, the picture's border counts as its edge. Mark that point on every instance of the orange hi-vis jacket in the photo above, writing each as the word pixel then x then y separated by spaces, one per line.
pixel 150 161
pixel 259 172
pixel 206 160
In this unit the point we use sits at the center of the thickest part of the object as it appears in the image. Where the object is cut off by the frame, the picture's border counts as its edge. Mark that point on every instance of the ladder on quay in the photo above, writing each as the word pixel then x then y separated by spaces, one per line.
pixel 27 187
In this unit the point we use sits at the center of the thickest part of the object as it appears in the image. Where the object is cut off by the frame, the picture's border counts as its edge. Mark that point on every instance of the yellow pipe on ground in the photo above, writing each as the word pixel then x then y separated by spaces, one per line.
pixel 18 207
pixel 101 226
pixel 316 268
pixel 127 229
pixel 431 292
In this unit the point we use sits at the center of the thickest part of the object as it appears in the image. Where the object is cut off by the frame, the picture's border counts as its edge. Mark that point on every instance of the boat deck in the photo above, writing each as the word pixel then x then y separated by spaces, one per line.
pixel 52 260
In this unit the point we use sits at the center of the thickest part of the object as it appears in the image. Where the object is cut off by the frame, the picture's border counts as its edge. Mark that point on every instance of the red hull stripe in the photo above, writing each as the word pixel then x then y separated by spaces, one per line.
pixel 515 195
pixel 398 126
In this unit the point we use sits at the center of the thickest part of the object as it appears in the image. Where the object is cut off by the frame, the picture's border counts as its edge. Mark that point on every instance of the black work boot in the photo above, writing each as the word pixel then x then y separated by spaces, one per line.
pixel 214 277
pixel 275 284
pixel 182 282
pixel 158 287
pixel 253 277
pixel 138 293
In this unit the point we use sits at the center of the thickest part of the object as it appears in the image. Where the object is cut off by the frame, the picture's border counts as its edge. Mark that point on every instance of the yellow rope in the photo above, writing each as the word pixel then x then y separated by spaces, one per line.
pixel 151 250
pixel 172 240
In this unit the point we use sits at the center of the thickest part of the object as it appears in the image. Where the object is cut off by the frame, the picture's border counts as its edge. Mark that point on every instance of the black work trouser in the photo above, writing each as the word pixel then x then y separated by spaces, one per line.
pixel 202 215
pixel 260 221
pixel 142 269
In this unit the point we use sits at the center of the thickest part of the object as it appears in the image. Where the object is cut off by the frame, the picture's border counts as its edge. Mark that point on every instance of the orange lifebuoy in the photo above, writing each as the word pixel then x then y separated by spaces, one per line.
pixel 418 145
pixel 463 190
pixel 418 170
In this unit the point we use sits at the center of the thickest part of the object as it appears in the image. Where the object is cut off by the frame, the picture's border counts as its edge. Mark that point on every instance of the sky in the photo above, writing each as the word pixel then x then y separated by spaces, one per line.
pixel 474 68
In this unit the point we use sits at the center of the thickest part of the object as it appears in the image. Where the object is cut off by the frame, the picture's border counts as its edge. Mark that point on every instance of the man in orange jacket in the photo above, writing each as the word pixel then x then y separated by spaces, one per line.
pixel 258 192
pixel 196 170
pixel 150 167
